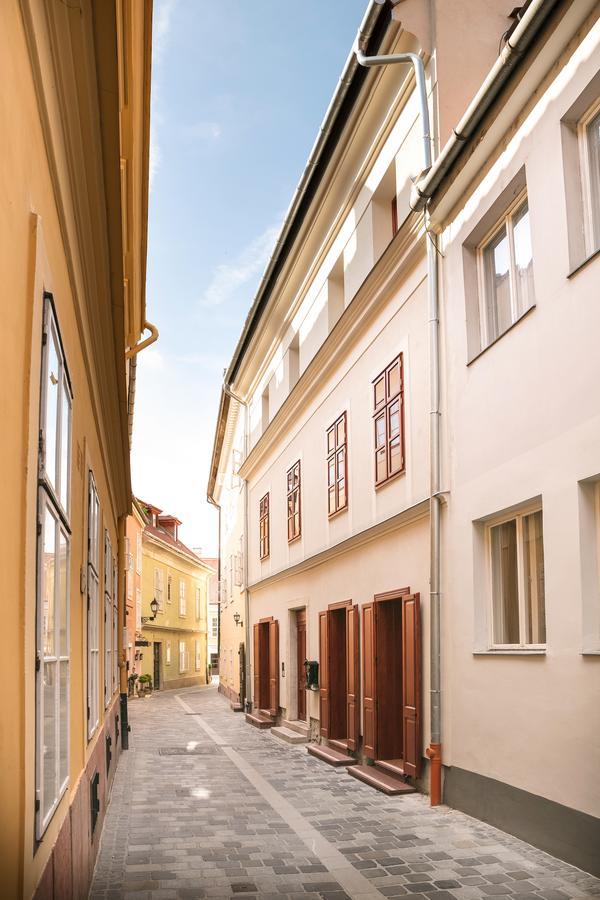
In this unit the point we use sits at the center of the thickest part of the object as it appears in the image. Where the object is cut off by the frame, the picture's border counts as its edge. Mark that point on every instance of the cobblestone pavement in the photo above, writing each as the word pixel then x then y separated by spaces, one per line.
pixel 205 806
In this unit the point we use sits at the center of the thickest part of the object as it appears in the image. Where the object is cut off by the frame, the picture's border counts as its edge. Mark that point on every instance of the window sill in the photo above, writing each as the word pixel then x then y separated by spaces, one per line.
pixel 516 651
pixel 584 263
pixel 337 513
pixel 590 652
pixel 382 484
pixel 500 336
pixel 294 539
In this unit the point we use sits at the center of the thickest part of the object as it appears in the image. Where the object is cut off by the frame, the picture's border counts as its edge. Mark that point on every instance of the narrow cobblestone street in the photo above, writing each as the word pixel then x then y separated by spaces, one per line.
pixel 204 805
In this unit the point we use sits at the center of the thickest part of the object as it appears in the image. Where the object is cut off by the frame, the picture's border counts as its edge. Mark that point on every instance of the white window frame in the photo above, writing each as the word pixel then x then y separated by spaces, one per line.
pixel 168 653
pixel 214 627
pixel 198 654
pixel 518 516
pixel 182 600
pixel 183 657
pixel 159 583
pixel 93 613
pixel 108 618
pixel 591 232
pixel 505 221
pixel 138 609
pixel 54 499
pixel 138 553
pixel 198 603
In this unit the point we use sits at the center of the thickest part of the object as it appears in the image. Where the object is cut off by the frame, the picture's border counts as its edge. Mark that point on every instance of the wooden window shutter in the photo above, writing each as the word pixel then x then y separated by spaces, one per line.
pixel 256 679
pixel 369 686
pixel 274 667
pixel 324 673
pixel 411 684
pixel 352 676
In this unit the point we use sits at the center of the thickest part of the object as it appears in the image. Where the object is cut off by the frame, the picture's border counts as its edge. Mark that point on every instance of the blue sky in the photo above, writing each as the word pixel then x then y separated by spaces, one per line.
pixel 239 90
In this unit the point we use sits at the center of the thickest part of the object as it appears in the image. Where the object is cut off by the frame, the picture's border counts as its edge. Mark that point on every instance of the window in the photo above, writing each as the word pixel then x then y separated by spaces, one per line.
pixel 108 619
pixel 183 657
pixel 293 503
pixel 115 622
pixel 53 558
pixel 93 585
pixel 506 273
pixel 394 209
pixel 263 527
pixel 169 586
pixel 590 152
pixel 159 582
pixel 214 628
pixel 198 655
pixel 138 609
pixel 168 653
pixel 388 418
pixel 182 606
pixel 337 466
pixel 198 604
pixel 517 577
pixel 138 554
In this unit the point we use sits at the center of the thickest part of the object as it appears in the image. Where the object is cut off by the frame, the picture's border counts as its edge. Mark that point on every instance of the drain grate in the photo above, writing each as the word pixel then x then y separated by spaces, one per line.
pixel 201 750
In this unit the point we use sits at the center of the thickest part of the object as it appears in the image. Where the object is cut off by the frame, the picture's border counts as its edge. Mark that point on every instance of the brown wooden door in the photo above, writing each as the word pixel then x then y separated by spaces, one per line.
pixel 273 667
pixel 411 684
pixel 300 660
pixel 324 673
pixel 256 670
pixel 369 612
pixel 352 677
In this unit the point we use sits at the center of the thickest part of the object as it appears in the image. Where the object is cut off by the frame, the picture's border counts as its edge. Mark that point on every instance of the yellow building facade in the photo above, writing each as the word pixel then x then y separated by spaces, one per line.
pixel 73 219
pixel 174 638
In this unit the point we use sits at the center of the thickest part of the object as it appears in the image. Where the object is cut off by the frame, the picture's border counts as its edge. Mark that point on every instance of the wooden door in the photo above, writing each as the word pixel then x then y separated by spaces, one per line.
pixel 274 667
pixel 300 660
pixel 369 612
pixel 256 670
pixel 352 677
pixel 411 684
pixel 157 684
pixel 324 673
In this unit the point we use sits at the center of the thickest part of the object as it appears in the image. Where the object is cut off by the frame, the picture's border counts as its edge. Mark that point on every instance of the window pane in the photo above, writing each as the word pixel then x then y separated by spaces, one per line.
pixel 395 455
pixel 331 440
pixel 341 493
pixel 394 414
pixel 331 471
pixel 65 448
pixel 497 285
pixel 62 595
pixel 593 137
pixel 341 468
pixel 50 788
pixel 523 259
pixel 47 593
pixel 505 598
pixel 64 723
pixel 289 482
pixel 380 431
pixel 533 563
pixel 379 392
pixel 380 465
pixel 331 493
pixel 394 380
pixel 52 389
pixel 341 431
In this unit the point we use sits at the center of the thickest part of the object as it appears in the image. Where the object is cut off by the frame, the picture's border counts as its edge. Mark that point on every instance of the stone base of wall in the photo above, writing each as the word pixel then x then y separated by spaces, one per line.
pixel 228 692
pixel 184 681
pixel 563 832
pixel 68 872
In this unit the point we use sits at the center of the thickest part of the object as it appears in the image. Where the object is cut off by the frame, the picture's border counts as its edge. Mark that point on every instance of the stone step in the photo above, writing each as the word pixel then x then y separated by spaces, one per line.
pixel 381 781
pixel 236 707
pixel 340 745
pixel 391 766
pixel 330 756
pixel 289 735
pixel 297 725
pixel 258 720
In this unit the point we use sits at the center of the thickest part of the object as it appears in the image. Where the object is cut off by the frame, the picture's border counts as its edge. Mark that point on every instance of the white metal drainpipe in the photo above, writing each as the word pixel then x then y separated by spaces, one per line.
pixel 434 751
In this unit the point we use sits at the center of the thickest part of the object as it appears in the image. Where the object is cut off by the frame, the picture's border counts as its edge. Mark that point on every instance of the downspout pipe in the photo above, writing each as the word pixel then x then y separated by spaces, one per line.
pixel 517 43
pixel 227 390
pixel 434 751
pixel 217 506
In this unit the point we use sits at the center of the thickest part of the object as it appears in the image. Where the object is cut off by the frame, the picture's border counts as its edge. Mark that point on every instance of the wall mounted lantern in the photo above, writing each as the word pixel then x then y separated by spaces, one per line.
pixel 154 610
pixel 237 618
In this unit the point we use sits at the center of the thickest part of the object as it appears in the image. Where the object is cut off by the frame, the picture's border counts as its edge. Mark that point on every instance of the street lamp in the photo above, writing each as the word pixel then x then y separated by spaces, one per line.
pixel 154 610
pixel 236 619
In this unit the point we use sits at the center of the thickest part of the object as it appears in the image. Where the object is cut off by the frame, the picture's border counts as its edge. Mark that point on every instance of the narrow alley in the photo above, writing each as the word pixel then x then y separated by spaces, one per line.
pixel 203 805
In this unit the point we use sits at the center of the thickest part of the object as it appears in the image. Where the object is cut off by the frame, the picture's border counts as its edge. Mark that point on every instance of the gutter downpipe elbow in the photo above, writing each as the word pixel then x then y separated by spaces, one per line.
pixel 227 390
pixel 434 751
pixel 141 345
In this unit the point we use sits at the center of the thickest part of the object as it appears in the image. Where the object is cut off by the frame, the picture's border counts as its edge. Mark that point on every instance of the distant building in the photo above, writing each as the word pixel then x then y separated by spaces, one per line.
pixel 133 587
pixel 213 614
pixel 176 654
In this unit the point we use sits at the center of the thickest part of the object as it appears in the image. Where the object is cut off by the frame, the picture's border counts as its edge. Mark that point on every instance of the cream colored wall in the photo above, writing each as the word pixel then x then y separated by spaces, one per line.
pixel 524 422
pixel 133 582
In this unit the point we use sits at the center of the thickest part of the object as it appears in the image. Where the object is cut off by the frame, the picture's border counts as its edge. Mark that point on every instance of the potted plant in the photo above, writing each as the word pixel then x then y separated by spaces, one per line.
pixel 144 684
pixel 131 684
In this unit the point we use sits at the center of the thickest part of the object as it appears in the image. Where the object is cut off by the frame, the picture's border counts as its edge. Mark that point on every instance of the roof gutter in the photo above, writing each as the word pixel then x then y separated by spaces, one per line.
pixel 528 27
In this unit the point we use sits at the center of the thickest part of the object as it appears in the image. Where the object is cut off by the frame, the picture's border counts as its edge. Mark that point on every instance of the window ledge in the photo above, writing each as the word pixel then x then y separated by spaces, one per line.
pixel 338 512
pixel 511 652
pixel 590 652
pixel 584 263
pixel 500 336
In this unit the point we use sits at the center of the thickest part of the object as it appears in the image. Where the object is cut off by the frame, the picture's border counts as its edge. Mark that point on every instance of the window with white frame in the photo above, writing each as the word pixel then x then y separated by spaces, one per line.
pixel 183 657
pixel 108 619
pixel 138 609
pixel 138 554
pixel 168 653
pixel 93 589
pixel 198 654
pixel 516 553
pixel 159 580
pixel 182 603
pixel 214 626
pixel 198 604
pixel 506 272
pixel 53 557
pixel 169 588
pixel 589 143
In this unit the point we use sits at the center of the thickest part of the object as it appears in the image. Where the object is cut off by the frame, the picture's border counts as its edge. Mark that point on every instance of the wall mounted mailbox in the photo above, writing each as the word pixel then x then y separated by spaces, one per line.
pixel 311 667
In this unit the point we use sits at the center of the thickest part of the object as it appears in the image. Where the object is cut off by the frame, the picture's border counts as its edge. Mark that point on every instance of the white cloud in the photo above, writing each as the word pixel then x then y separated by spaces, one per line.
pixel 204 131
pixel 228 277
pixel 161 28
pixel 155 156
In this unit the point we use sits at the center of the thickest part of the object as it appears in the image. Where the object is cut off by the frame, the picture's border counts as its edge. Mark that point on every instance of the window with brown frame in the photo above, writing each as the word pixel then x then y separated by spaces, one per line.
pixel 264 527
pixel 337 466
pixel 293 503
pixel 394 206
pixel 388 417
